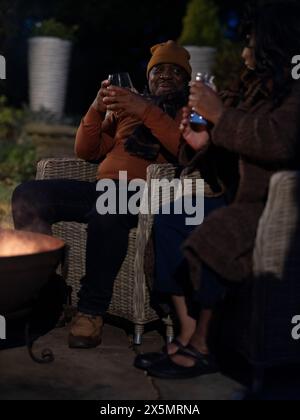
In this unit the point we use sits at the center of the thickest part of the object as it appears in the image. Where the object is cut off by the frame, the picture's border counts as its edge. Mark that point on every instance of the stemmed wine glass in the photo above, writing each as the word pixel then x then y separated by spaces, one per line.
pixel 121 80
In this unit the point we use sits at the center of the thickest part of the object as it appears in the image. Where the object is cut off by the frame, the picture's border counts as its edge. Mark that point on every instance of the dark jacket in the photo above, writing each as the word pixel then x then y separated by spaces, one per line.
pixel 266 137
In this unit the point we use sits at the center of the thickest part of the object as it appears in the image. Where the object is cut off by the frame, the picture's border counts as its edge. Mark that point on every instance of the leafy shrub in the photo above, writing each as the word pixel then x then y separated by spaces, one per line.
pixel 17 162
pixel 11 120
pixel 228 64
pixel 201 24
pixel 53 28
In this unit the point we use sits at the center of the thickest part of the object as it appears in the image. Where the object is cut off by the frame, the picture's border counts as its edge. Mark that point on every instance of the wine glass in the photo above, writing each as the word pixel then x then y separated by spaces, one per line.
pixel 121 80
pixel 197 120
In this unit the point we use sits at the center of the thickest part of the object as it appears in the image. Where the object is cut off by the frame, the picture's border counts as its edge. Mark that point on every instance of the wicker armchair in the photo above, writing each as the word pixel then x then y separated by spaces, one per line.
pixel 263 310
pixel 257 316
pixel 272 299
pixel 131 299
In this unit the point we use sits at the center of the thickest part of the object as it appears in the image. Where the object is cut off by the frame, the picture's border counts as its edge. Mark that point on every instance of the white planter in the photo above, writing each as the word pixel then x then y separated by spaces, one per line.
pixel 202 59
pixel 48 62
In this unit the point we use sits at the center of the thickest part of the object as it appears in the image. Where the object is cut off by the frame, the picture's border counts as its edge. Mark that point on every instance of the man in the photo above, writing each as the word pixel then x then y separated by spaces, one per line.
pixel 127 132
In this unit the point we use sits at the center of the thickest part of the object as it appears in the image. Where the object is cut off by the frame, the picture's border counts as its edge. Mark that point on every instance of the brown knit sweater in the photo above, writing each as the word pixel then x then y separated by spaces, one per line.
pixel 103 139
pixel 267 140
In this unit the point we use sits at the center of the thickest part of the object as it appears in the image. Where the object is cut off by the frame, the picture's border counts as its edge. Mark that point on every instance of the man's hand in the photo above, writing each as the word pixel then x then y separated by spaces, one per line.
pixel 98 103
pixel 206 102
pixel 199 141
pixel 125 102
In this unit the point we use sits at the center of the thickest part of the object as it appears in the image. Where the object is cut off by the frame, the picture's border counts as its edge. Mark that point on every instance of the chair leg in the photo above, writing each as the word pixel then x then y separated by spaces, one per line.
pixel 169 329
pixel 138 334
pixel 170 334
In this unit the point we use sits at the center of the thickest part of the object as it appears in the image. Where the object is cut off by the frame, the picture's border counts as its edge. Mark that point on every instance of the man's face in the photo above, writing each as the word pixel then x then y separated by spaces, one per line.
pixel 167 78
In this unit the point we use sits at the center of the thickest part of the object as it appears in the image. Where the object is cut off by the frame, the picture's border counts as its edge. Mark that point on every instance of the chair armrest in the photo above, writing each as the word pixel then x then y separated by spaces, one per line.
pixel 170 171
pixel 164 170
pixel 66 168
pixel 278 235
pixel 156 172
pixel 144 229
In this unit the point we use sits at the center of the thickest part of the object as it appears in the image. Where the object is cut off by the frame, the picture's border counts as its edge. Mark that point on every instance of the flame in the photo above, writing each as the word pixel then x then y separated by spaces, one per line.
pixel 17 243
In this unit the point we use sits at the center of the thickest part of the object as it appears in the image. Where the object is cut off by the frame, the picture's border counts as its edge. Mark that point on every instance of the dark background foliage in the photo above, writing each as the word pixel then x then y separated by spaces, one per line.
pixel 113 35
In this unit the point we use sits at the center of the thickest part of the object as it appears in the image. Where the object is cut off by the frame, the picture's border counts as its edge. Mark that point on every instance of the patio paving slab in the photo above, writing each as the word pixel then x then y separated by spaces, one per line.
pixel 105 373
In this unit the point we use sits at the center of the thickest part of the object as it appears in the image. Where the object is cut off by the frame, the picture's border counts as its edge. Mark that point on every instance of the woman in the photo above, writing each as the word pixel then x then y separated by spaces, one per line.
pixel 260 122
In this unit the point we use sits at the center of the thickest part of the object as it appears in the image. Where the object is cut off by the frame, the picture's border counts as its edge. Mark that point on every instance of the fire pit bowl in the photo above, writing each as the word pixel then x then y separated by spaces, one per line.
pixel 27 260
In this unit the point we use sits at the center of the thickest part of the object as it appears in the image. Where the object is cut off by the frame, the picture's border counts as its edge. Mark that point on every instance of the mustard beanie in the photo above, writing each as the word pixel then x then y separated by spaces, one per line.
pixel 170 53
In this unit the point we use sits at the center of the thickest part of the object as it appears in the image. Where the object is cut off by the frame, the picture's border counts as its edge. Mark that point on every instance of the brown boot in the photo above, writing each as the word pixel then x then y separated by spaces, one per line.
pixel 86 331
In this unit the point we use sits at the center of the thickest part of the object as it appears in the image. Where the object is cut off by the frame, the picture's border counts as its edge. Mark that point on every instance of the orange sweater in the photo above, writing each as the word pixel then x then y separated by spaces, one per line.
pixel 100 138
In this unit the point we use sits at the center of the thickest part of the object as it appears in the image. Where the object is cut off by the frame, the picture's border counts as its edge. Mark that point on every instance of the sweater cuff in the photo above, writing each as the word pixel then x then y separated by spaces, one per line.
pixel 93 117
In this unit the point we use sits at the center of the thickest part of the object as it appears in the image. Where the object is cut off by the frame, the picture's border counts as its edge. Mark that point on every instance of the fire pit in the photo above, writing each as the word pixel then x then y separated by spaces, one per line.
pixel 27 261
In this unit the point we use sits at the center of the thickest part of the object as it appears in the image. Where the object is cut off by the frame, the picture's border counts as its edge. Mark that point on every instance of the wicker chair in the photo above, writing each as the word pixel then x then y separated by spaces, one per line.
pixel 264 307
pixel 131 299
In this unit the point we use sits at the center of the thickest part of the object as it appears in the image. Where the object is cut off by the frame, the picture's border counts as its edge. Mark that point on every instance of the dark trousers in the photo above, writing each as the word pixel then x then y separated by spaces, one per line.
pixel 171 270
pixel 36 205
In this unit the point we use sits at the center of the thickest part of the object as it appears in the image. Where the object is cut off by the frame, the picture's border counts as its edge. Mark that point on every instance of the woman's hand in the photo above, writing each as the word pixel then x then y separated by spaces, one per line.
pixel 199 141
pixel 125 102
pixel 206 102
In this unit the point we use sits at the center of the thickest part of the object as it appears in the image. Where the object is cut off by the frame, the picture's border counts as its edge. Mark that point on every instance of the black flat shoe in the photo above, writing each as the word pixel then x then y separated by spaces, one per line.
pixel 145 360
pixel 167 369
